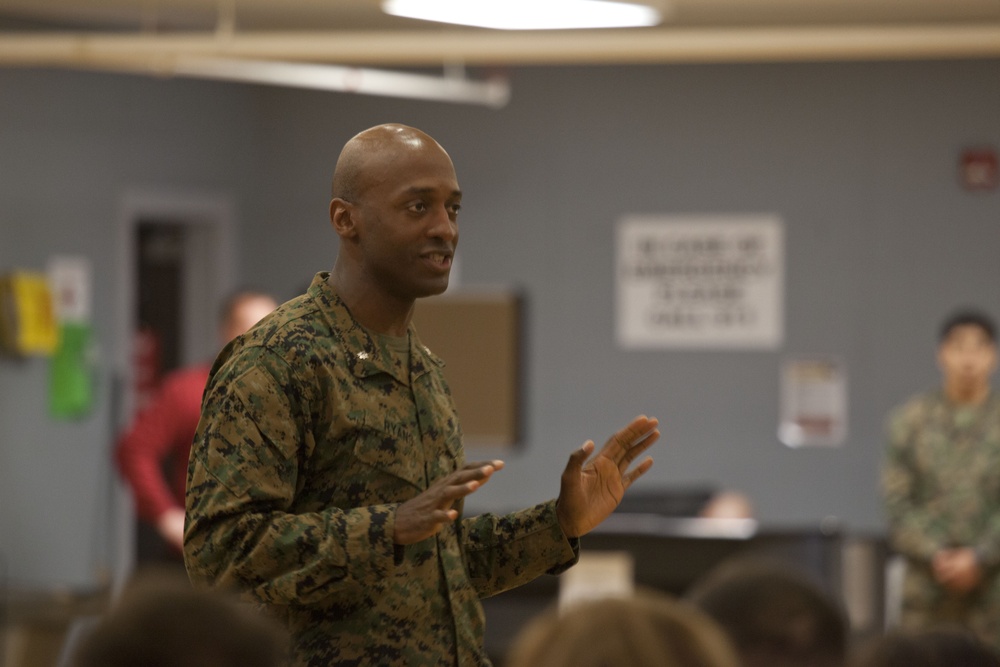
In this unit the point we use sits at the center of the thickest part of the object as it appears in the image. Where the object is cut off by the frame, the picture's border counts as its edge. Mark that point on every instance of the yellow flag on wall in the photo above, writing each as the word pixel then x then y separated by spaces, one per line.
pixel 27 317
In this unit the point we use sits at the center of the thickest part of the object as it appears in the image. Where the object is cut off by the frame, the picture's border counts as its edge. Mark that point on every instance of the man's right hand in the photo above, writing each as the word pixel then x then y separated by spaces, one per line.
pixel 425 515
pixel 958 569
pixel 170 525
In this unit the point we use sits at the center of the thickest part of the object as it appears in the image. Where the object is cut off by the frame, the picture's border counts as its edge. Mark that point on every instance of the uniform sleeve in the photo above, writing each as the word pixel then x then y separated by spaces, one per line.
pixel 987 547
pixel 913 528
pixel 143 449
pixel 241 528
pixel 508 551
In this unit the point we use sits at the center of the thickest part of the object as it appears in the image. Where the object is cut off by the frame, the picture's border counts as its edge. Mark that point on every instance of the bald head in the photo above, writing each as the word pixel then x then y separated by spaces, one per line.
pixel 366 156
pixel 241 311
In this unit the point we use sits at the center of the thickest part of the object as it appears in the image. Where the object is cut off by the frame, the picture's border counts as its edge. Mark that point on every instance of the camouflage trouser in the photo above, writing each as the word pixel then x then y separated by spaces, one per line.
pixel 926 603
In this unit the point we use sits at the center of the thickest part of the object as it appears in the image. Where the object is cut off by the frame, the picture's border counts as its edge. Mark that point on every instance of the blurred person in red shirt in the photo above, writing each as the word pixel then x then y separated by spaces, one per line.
pixel 152 455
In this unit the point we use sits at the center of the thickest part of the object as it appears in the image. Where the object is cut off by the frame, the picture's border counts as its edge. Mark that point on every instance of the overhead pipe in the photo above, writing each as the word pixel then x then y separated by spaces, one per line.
pixel 422 48
pixel 291 59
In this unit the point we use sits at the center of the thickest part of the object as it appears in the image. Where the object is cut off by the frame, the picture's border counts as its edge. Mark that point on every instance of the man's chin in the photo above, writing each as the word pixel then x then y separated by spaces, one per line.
pixel 434 289
pixel 969 384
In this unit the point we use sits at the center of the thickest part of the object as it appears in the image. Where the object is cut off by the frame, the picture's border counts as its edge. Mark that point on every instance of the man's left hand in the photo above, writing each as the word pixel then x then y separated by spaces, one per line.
pixel 591 490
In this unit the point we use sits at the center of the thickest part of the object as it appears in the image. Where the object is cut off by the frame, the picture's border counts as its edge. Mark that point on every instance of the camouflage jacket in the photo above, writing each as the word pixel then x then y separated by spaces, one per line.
pixel 941 477
pixel 312 433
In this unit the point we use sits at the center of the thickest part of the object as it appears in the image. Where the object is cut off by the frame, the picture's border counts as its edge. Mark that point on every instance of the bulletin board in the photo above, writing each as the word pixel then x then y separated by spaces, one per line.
pixel 478 335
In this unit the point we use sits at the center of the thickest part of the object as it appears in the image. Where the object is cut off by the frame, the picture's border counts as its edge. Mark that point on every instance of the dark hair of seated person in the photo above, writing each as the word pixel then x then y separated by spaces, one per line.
pixel 161 621
pixel 775 615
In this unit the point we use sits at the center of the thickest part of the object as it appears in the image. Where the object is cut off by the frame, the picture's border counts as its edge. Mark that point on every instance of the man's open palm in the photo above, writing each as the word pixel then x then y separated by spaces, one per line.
pixel 591 490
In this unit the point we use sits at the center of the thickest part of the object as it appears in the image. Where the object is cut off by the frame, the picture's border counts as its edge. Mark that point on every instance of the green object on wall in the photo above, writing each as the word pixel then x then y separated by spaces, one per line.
pixel 71 385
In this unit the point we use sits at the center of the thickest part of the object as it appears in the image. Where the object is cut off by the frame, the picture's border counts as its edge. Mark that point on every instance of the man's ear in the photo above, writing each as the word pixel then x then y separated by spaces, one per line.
pixel 342 217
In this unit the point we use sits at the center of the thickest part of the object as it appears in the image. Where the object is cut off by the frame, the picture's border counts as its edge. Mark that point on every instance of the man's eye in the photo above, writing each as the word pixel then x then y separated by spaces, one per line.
pixel 418 207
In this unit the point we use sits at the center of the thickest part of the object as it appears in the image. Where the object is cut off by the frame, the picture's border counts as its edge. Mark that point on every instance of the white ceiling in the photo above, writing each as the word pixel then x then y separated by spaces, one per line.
pixel 95 32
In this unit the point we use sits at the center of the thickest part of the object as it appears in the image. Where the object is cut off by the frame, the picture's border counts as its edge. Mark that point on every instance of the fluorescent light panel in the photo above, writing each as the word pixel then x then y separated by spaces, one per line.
pixel 494 93
pixel 527 14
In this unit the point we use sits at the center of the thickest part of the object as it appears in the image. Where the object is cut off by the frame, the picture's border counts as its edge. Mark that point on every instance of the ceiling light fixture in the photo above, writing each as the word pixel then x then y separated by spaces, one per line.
pixel 527 14
pixel 454 86
pixel 449 88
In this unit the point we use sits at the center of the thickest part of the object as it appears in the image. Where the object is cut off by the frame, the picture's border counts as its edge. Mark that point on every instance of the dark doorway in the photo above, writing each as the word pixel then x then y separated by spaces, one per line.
pixel 159 326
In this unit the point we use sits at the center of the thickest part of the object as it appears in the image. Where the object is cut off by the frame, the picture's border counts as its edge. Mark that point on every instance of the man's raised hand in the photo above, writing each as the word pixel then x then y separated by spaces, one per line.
pixel 591 490
pixel 423 516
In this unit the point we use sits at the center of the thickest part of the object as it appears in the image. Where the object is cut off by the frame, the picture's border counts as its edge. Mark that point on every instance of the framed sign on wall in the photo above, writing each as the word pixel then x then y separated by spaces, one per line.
pixel 699 281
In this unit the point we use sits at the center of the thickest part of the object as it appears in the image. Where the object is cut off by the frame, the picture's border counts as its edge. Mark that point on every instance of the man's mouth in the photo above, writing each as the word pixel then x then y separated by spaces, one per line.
pixel 439 259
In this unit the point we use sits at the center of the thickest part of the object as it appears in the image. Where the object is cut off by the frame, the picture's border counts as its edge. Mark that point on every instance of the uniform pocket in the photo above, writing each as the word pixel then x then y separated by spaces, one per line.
pixel 392 454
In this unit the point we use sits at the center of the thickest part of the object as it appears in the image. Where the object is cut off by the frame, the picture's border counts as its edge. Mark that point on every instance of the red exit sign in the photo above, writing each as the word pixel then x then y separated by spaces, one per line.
pixel 980 169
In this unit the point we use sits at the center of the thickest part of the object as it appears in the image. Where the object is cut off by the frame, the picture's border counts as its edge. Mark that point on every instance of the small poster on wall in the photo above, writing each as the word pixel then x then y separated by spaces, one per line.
pixel 813 403
pixel 700 282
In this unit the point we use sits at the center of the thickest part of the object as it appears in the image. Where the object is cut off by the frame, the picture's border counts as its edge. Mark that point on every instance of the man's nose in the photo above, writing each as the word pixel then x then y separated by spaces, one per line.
pixel 443 226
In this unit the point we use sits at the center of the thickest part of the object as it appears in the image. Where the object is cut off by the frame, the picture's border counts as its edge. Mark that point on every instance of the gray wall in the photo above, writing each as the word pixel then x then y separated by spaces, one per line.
pixel 71 145
pixel 858 159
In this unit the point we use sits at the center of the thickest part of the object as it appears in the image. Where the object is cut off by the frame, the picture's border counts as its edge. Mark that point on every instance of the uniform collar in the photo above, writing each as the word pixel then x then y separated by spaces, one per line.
pixel 363 354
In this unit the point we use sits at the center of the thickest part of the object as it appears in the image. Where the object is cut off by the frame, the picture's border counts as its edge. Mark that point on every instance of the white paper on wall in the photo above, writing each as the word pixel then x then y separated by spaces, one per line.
pixel 813 403
pixel 70 279
pixel 700 281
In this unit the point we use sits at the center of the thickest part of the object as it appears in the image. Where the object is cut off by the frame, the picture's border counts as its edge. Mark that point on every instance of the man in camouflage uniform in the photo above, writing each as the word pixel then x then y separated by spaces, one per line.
pixel 942 486
pixel 327 476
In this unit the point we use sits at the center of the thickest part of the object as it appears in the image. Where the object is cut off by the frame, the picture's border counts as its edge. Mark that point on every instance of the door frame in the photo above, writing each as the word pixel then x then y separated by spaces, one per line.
pixel 209 278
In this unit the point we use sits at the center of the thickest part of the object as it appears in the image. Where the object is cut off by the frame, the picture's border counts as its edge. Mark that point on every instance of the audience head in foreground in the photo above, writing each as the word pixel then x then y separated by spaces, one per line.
pixel 775 616
pixel 648 630
pixel 162 622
